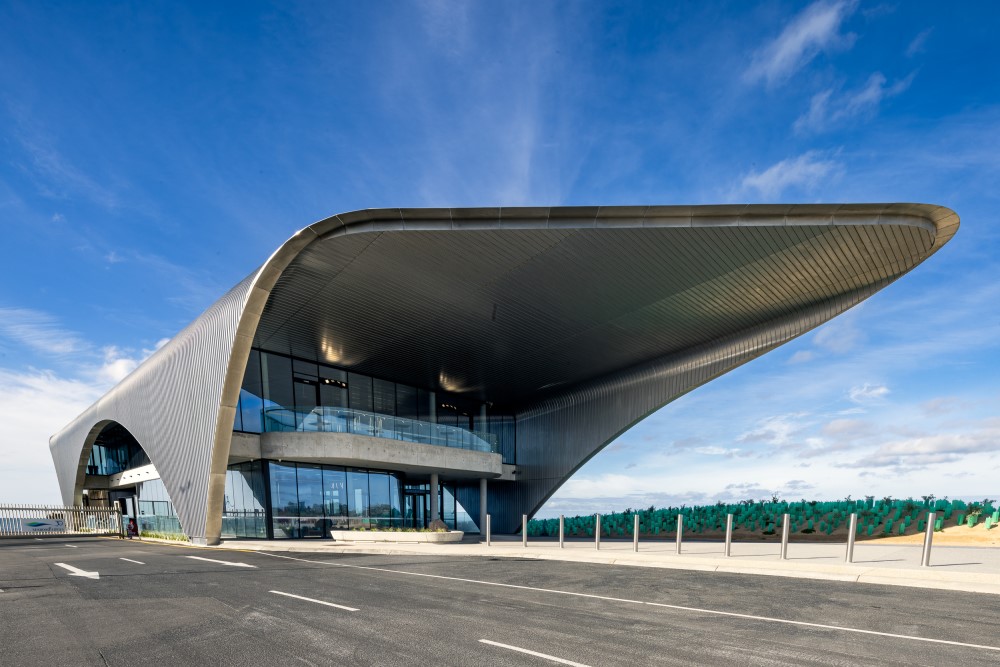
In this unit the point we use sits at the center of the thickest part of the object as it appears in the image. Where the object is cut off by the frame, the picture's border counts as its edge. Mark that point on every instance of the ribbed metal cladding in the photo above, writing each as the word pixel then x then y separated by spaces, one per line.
pixel 170 404
pixel 582 320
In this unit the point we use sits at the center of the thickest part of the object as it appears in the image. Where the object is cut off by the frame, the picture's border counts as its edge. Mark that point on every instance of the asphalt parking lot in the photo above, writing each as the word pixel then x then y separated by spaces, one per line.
pixel 112 602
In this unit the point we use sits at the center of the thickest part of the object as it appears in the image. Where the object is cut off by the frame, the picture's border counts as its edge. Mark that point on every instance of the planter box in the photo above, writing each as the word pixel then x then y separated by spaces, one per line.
pixel 390 536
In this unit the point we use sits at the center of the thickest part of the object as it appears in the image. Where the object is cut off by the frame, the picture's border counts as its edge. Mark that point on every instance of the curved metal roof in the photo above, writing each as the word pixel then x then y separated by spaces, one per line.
pixel 538 299
pixel 610 310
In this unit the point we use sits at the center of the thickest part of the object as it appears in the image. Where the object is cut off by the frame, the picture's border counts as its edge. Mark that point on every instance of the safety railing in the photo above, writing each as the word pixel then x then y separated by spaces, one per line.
pixel 360 422
pixel 39 520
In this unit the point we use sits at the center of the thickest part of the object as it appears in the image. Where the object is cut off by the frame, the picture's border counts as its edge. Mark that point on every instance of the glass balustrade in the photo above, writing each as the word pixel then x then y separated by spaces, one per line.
pixel 359 422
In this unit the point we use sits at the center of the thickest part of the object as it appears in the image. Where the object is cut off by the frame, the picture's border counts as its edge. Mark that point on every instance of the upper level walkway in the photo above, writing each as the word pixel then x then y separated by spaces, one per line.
pixel 359 422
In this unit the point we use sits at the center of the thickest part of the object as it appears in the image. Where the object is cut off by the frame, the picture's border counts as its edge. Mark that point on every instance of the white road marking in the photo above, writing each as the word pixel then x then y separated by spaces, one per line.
pixel 70 546
pixel 223 562
pixel 77 572
pixel 138 562
pixel 328 604
pixel 698 610
pixel 561 661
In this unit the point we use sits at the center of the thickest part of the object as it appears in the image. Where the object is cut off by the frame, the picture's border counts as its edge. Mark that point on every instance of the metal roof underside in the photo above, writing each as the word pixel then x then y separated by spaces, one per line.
pixel 506 314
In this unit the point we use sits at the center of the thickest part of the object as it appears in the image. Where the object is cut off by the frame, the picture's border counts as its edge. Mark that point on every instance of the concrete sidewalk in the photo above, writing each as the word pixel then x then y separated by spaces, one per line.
pixel 972 569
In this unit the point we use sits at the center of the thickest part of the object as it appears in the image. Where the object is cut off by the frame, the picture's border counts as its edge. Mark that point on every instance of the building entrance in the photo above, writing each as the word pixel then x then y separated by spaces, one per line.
pixel 416 509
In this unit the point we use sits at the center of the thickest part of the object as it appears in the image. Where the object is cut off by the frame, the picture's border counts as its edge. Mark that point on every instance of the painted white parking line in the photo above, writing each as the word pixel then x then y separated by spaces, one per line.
pixel 328 604
pixel 222 562
pixel 137 562
pixel 561 661
pixel 715 612
pixel 77 572
pixel 71 546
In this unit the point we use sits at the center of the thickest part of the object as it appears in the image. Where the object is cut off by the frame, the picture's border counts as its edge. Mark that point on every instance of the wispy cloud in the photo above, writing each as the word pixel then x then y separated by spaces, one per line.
pixel 804 172
pixel 868 392
pixel 53 173
pixel 814 30
pixel 918 43
pixel 37 403
pixel 933 448
pixel 828 108
pixel 39 331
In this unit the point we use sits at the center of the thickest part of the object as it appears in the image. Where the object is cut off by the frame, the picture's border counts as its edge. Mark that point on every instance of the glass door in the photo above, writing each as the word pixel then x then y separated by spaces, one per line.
pixel 416 509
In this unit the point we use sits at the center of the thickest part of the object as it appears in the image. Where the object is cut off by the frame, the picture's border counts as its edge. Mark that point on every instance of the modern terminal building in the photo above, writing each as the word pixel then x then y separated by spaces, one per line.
pixel 389 367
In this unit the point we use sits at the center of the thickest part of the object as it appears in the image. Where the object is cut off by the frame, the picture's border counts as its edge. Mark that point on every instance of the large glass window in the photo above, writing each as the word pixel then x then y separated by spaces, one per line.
pixel 282 393
pixel 115 450
pixel 381 505
pixel 284 500
pixel 279 400
pixel 332 387
pixel 357 498
pixel 384 397
pixel 243 509
pixel 359 390
pixel 335 496
pixel 312 522
pixel 251 396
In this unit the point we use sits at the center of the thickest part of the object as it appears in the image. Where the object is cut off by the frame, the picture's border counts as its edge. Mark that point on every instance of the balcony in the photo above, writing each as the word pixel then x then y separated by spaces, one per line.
pixel 359 422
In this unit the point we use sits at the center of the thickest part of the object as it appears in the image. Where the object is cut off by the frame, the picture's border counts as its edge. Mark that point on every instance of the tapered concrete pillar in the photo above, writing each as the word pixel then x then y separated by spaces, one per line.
pixel 434 497
pixel 482 505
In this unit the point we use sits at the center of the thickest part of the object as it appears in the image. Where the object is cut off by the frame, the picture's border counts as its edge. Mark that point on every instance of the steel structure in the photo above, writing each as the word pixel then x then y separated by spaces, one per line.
pixel 580 320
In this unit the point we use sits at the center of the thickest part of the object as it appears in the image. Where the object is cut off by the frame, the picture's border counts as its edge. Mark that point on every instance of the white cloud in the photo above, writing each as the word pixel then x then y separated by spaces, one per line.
pixel 802 356
pixel 868 392
pixel 36 404
pixel 38 331
pixel 718 451
pixel 776 431
pixel 934 449
pixel 827 110
pixel 814 30
pixel 804 172
pixel 918 43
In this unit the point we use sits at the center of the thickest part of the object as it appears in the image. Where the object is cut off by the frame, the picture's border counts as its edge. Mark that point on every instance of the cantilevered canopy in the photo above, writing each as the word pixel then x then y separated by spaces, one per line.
pixel 505 305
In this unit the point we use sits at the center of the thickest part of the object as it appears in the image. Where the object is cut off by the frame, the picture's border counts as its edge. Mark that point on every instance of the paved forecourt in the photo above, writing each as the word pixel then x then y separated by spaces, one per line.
pixel 111 602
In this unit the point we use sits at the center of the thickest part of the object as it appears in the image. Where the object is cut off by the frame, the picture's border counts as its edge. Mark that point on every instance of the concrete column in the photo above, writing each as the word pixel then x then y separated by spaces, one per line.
pixel 481 419
pixel 432 407
pixel 434 497
pixel 482 505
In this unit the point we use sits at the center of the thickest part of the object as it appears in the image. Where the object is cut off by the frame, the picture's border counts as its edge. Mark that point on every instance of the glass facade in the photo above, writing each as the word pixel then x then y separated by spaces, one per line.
pixel 243 513
pixel 156 512
pixel 284 499
pixel 115 450
pixel 282 393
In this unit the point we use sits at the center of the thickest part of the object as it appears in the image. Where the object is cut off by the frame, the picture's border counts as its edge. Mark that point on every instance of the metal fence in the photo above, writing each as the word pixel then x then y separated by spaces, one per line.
pixel 41 520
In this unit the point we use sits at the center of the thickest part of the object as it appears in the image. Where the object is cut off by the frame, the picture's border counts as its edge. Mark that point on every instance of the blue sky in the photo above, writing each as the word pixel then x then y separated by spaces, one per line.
pixel 153 154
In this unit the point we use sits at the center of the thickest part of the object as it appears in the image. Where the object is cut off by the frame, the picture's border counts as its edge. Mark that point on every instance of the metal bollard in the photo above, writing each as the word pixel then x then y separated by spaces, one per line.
pixel 562 533
pixel 489 532
pixel 729 534
pixel 635 535
pixel 597 531
pixel 785 527
pixel 925 557
pixel 524 530
pixel 680 531
pixel 852 533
